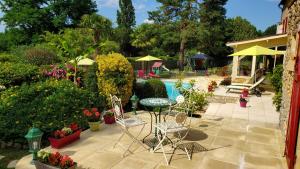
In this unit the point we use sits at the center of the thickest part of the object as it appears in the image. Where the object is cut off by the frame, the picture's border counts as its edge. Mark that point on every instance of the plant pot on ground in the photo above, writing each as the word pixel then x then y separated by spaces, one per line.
pixel 109 117
pixel 93 118
pixel 67 135
pixel 243 101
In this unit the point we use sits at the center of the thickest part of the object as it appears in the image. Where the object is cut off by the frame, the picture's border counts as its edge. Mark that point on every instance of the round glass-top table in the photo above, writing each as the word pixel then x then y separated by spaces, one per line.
pixel 158 104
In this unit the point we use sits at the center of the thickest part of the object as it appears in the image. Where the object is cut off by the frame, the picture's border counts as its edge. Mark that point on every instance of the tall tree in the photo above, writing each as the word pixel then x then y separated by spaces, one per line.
pixel 101 27
pixel 238 29
pixel 212 25
pixel 183 13
pixel 271 30
pixel 36 16
pixel 126 23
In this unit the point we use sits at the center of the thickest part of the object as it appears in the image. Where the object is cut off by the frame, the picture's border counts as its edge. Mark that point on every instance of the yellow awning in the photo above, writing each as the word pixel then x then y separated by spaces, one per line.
pixel 257 50
pixel 147 58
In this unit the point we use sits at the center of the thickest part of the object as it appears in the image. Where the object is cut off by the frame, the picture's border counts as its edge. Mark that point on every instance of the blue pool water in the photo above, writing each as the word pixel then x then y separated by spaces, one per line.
pixel 172 91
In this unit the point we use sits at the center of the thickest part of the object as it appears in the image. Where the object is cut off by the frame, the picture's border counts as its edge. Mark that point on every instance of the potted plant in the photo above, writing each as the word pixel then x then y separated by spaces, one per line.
pixel 210 88
pixel 93 118
pixel 48 160
pixel 65 136
pixel 245 92
pixel 214 84
pixel 109 117
pixel 243 101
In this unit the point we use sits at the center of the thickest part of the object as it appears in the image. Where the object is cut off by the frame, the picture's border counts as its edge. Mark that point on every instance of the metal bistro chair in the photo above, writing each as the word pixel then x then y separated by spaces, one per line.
pixel 180 127
pixel 125 124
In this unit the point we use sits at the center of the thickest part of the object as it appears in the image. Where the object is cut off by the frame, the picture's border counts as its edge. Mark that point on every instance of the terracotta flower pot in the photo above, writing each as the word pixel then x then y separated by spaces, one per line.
pixel 243 104
pixel 94 126
pixel 58 143
pixel 109 119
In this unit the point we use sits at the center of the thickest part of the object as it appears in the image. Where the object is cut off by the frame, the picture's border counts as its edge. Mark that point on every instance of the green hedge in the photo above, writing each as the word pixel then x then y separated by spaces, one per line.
pixel 151 88
pixel 12 74
pixel 50 105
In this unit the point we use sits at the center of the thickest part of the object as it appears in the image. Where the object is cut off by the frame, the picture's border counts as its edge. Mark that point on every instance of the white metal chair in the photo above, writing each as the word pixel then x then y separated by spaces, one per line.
pixel 179 127
pixel 125 124
pixel 172 111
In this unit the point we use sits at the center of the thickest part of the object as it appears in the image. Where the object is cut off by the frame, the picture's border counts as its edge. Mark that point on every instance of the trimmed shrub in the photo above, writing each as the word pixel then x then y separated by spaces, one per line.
pixel 151 88
pixel 41 56
pixel 4 57
pixel 50 105
pixel 13 74
pixel 115 77
pixel 276 78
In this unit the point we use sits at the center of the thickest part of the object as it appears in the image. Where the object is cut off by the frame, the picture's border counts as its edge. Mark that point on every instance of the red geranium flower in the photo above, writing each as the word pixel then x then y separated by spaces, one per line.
pixel 74 127
pixel 66 162
pixel 97 114
pixel 54 158
pixel 94 110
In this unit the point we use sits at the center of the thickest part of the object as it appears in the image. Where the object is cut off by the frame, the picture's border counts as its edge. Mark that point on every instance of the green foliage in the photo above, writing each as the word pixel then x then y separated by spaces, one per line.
pixel 115 77
pixel 101 26
pixel 90 79
pixel 212 37
pixel 35 17
pixel 71 43
pixel 277 100
pixel 5 57
pixel 151 88
pixel 276 78
pixel 126 22
pixel 271 30
pixel 50 105
pixel 40 56
pixel 197 99
pixel 144 36
pixel 12 74
pixel 238 29
pixel 109 47
pixel 185 14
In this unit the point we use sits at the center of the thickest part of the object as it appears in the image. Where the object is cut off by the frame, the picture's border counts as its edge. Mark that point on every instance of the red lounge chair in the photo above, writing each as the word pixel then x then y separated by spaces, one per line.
pixel 152 74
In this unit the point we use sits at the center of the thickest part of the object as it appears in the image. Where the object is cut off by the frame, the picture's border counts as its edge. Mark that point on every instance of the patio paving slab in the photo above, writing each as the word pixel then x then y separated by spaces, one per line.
pixel 220 142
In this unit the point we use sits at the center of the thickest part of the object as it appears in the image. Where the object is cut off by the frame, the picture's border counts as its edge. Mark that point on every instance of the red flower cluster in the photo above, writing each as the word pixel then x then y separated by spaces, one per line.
pixel 56 159
pixel 66 131
pixel 66 162
pixel 92 115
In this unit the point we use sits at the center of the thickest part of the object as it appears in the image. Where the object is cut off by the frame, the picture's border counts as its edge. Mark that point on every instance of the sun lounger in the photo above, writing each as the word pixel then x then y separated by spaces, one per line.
pixel 245 86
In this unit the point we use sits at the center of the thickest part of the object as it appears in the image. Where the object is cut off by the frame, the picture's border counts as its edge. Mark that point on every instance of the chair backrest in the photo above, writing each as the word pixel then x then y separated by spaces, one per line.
pixel 185 106
pixel 117 107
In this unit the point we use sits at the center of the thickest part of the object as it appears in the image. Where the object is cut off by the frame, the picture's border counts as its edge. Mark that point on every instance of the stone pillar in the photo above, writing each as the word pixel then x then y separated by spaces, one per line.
pixel 235 66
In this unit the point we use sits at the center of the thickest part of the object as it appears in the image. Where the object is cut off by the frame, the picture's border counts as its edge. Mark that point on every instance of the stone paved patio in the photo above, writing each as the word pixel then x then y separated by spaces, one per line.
pixel 226 137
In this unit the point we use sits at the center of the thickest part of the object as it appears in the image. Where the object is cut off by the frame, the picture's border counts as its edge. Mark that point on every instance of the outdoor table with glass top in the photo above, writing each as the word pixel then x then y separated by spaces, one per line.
pixel 156 104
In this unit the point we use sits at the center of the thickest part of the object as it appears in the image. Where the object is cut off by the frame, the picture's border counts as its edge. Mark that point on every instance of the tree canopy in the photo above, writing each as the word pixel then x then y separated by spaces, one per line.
pixel 126 23
pixel 212 29
pixel 239 29
pixel 33 17
pixel 184 14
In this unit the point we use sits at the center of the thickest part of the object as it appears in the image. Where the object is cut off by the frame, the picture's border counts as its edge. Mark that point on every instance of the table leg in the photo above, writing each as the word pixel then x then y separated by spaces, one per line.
pixel 150 127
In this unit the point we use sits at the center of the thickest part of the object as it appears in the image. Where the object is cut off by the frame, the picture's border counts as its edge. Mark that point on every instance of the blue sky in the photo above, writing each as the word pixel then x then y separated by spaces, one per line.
pixel 261 13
